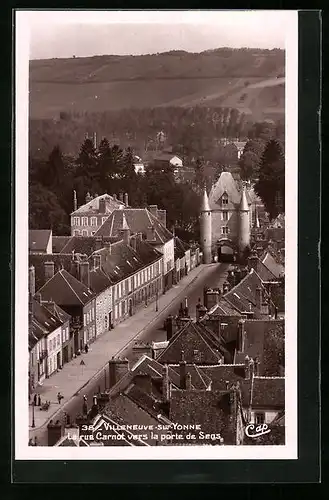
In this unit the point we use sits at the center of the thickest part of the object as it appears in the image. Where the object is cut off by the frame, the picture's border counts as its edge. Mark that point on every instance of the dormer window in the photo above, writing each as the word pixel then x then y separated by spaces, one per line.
pixel 224 199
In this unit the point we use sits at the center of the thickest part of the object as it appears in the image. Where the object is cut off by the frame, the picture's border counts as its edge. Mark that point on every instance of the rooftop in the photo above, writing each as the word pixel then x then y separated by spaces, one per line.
pixel 39 239
pixel 66 290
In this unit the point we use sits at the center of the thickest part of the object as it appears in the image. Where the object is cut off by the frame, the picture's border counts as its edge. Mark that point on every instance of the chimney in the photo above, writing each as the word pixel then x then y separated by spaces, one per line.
pixel 98 243
pixel 256 366
pixel 249 368
pixel 252 261
pixel 154 210
pixel 32 281
pixel 226 287
pixel 114 196
pixel 49 270
pixel 126 199
pixel 139 349
pixel 88 197
pixel 84 273
pixel 188 382
pixel 38 297
pixel 102 206
pixel 150 234
pixel 200 312
pixel 75 201
pixel 121 196
pixel 212 298
pixel 97 261
pixel 165 383
pixel 259 297
pixel 276 312
pixel 74 267
pixel 170 327
pixel 118 367
pixel 95 140
pixel 182 372
pixel 241 335
pixel 186 308
pixel 162 217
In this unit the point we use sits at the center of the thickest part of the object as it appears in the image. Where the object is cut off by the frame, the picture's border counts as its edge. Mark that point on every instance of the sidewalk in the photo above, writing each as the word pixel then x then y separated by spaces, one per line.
pixel 73 376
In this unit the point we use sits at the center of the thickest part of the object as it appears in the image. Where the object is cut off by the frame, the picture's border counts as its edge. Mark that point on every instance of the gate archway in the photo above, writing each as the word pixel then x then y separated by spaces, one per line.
pixel 226 250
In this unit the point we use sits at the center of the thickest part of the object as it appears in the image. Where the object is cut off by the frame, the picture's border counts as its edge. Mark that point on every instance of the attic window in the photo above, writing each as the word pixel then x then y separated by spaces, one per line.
pixel 249 288
pixel 130 264
pixel 53 320
pixel 117 267
pixel 135 259
pixel 84 293
pixel 47 323
pixel 237 296
pixel 116 272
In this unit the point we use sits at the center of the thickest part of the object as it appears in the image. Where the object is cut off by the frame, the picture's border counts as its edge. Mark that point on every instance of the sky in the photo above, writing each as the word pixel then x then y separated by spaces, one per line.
pixel 67 33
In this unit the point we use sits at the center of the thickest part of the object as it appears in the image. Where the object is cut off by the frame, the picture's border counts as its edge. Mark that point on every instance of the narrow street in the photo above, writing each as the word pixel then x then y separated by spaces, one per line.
pixel 146 325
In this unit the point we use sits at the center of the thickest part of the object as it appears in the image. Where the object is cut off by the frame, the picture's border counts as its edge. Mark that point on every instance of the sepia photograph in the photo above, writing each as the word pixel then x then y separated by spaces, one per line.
pixel 156 229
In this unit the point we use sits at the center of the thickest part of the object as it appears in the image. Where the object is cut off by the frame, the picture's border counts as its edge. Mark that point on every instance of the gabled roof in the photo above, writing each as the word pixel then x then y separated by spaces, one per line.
pixel 112 418
pixel 210 409
pixel 263 271
pixel 199 379
pixel 138 221
pixel 268 392
pixel 243 296
pixel 43 323
pixel 59 242
pixel 57 311
pixel 99 281
pixel 92 207
pixel 66 290
pixel 121 260
pixel 225 184
pixel 275 267
pixel 197 341
pixel 257 341
pixel 223 308
pixel 61 261
pixel 80 244
pixel 39 239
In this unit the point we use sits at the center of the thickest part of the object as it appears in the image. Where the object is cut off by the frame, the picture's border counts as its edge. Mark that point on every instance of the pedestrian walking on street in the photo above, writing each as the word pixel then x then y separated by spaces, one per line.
pixel 59 398
pixel 35 400
pixel 86 349
pixel 39 400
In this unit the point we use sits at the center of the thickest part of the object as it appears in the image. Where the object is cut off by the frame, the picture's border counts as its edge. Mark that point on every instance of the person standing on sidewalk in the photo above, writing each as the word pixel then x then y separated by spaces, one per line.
pixel 59 397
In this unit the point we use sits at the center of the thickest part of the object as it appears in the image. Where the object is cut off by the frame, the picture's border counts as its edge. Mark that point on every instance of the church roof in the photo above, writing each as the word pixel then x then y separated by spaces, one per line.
pixel 225 184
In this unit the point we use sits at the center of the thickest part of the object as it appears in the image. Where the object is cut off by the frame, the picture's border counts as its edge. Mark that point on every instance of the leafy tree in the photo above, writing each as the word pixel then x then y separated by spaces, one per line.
pixel 262 130
pixel 251 158
pixel 273 359
pixel 45 211
pixel 270 185
pixel 87 175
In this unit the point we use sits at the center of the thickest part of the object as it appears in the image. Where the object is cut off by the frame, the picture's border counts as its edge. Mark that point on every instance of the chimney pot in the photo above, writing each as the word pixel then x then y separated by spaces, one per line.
pixel 126 199
pixel 85 273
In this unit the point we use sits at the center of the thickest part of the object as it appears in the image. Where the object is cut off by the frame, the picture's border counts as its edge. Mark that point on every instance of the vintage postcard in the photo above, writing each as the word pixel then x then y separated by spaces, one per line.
pixel 156 235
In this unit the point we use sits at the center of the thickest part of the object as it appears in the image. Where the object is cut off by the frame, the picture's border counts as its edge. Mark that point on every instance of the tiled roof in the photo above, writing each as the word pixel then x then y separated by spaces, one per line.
pixel 80 244
pixel 57 311
pixel 122 260
pixel 42 324
pixel 199 379
pixel 276 268
pixel 226 184
pixel 138 220
pixel 243 295
pixel 275 233
pixel 126 409
pixel 210 409
pixel 39 239
pixel 222 309
pixel 61 261
pixel 154 368
pixel 179 248
pixel 257 342
pixel 268 392
pixel 263 271
pixel 93 205
pixel 114 420
pixel 99 281
pixel 66 290
pixel 59 242
pixel 198 343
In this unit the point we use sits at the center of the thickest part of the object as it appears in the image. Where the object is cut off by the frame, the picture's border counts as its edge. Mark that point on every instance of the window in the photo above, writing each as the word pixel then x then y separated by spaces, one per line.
pixel 259 418
pixel 225 215
pixel 92 314
pixel 225 230
pixel 58 340
pixel 224 199
pixel 76 221
pixel 85 221
pixel 76 232
pixel 92 233
pixel 123 307
pixel 85 319
pixel 93 221
pixel 84 232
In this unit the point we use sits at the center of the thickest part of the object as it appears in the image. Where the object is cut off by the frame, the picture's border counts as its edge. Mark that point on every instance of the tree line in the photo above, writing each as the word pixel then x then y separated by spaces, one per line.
pixel 106 169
